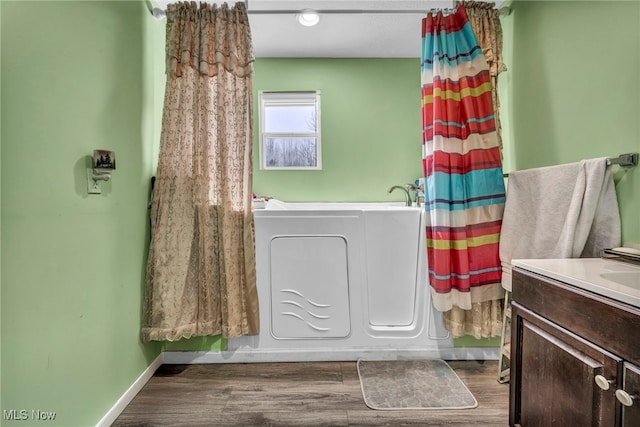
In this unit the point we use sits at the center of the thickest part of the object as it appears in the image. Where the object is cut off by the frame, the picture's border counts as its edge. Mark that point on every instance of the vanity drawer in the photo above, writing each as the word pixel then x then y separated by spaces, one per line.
pixel 605 322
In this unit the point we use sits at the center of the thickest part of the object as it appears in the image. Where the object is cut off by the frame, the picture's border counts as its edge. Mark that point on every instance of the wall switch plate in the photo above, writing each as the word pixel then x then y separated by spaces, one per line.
pixel 93 187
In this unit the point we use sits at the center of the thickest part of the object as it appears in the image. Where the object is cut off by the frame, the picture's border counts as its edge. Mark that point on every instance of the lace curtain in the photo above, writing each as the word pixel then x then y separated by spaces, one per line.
pixel 463 177
pixel 201 278
pixel 485 22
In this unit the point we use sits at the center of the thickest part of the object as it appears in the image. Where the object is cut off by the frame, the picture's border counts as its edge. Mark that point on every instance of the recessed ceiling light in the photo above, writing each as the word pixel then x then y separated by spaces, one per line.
pixel 308 17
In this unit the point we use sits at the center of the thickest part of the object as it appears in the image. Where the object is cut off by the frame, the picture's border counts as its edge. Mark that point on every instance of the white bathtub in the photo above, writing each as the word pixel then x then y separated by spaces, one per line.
pixel 341 281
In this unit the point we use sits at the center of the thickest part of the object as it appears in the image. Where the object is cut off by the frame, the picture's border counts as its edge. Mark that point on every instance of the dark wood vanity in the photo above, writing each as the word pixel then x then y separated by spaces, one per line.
pixel 575 356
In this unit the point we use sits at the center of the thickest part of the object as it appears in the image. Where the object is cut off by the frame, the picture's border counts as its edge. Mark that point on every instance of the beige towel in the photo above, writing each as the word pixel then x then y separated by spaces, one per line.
pixel 565 211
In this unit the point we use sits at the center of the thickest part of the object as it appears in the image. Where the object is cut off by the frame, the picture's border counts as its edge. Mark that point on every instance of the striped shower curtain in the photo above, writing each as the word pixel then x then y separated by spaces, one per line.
pixel 464 185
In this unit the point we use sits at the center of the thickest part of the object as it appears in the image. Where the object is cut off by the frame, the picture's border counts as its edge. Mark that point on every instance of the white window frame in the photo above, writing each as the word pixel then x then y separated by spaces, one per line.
pixel 311 98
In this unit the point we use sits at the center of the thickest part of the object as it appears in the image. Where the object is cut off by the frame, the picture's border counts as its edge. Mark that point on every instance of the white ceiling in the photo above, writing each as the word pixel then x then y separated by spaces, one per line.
pixel 348 28
pixel 346 34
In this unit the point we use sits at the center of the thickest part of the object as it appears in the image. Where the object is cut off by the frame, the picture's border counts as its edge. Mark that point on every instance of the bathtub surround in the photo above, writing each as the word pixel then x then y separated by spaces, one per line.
pixel 201 267
pixel 339 281
pixel 464 186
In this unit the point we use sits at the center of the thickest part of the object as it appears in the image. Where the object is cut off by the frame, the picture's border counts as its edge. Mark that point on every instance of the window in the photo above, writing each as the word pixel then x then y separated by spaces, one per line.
pixel 290 130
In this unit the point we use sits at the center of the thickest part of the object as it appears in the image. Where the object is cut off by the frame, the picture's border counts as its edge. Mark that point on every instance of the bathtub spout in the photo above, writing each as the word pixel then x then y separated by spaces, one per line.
pixel 407 196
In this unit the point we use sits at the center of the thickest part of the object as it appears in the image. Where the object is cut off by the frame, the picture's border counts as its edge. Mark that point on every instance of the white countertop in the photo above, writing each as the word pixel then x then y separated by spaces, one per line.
pixel 587 273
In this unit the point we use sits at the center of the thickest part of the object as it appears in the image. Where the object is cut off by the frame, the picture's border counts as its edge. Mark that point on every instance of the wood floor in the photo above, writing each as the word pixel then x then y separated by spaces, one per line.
pixel 297 394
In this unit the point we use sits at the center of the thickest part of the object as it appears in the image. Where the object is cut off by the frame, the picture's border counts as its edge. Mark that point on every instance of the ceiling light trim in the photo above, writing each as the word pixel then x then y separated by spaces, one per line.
pixel 308 17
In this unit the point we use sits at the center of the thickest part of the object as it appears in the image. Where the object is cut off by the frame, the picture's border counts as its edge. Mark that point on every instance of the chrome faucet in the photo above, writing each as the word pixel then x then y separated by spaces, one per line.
pixel 419 192
pixel 407 196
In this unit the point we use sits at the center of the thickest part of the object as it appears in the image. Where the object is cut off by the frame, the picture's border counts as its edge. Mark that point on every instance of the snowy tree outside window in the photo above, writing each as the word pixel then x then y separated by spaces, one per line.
pixel 290 130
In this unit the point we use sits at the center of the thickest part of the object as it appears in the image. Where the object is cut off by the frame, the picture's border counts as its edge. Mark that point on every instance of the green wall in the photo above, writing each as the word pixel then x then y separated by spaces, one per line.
pixel 371 127
pixel 575 89
pixel 81 75
pixel 73 264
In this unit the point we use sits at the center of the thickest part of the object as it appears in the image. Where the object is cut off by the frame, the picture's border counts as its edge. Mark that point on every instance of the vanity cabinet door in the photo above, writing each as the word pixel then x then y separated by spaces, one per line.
pixel 554 380
pixel 631 386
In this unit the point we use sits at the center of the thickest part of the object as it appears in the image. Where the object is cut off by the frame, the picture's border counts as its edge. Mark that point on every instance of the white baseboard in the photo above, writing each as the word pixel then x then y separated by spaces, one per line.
pixel 309 355
pixel 113 413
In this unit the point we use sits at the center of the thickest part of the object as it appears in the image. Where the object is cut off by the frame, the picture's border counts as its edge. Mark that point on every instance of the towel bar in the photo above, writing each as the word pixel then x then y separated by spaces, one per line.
pixel 625 160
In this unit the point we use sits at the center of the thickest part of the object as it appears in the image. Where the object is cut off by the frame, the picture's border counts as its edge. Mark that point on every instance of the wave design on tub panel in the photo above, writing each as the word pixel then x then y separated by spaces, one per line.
pixel 306 311
pixel 317 316
pixel 316 304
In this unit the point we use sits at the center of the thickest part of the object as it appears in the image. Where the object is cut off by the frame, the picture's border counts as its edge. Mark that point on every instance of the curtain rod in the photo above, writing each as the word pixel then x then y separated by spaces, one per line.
pixel 159 13
pixel 504 11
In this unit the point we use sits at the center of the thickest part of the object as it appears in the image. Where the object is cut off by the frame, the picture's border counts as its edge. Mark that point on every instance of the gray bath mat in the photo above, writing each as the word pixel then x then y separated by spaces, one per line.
pixel 412 384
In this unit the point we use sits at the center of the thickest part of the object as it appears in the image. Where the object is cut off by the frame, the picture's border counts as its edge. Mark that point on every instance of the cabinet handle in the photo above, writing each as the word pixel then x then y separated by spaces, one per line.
pixel 603 383
pixel 625 398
